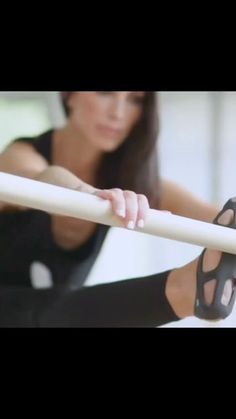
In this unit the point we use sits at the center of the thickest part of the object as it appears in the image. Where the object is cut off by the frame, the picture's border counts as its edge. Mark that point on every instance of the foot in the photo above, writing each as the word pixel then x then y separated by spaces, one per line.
pixel 181 287
pixel 211 260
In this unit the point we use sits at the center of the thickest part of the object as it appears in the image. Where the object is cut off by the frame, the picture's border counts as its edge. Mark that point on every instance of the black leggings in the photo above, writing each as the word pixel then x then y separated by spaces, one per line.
pixel 134 303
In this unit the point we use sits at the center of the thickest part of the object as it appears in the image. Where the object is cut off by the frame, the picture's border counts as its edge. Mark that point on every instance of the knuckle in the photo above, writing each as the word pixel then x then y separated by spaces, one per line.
pixel 130 194
pixel 118 190
pixel 143 198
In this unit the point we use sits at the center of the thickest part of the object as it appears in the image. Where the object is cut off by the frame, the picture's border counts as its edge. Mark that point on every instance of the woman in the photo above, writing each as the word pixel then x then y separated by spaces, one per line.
pixel 107 148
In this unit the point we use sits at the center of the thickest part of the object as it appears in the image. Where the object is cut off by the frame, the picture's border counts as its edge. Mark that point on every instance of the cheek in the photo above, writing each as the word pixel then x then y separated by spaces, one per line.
pixel 133 118
pixel 91 107
pixel 86 110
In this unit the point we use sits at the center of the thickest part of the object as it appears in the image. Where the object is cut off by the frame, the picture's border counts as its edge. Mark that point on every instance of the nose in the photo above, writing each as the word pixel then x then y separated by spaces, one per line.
pixel 118 108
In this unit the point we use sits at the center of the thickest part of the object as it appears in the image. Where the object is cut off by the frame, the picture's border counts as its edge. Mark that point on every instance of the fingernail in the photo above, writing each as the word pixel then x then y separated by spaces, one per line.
pixel 130 225
pixel 141 223
pixel 121 213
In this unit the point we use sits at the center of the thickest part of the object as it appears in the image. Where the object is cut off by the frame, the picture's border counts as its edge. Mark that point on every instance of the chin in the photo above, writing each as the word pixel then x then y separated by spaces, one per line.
pixel 109 146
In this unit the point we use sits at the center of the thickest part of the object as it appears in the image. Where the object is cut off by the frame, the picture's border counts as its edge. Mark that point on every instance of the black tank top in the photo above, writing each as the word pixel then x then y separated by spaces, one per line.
pixel 27 247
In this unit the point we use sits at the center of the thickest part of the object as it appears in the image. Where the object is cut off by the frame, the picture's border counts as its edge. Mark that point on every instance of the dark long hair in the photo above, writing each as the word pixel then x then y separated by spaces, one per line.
pixel 134 166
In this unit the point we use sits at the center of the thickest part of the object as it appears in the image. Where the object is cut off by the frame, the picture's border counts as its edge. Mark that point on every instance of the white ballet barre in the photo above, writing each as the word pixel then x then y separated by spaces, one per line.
pixel 65 202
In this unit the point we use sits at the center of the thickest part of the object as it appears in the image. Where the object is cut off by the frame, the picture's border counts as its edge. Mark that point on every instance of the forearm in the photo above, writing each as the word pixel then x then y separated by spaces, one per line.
pixel 55 175
pixel 59 176
pixel 182 202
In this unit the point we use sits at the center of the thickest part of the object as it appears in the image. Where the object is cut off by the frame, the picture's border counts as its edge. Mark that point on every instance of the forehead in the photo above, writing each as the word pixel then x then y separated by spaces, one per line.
pixel 134 92
pixel 119 91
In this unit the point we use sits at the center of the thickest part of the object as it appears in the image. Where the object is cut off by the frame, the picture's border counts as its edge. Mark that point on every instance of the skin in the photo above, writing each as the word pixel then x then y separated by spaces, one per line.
pixel 98 123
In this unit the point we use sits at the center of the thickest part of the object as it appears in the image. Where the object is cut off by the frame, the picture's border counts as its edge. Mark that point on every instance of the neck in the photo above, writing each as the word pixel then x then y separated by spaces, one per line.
pixel 75 153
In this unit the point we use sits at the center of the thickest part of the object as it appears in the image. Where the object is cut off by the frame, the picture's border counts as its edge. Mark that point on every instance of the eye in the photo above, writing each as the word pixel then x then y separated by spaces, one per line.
pixel 104 93
pixel 137 99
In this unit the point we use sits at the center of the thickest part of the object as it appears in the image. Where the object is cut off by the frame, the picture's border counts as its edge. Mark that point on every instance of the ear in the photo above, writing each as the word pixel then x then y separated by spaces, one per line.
pixel 66 100
pixel 69 99
pixel 65 95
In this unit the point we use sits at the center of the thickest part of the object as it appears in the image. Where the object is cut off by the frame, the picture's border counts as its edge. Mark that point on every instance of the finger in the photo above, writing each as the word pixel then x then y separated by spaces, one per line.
pixel 116 197
pixel 131 200
pixel 143 207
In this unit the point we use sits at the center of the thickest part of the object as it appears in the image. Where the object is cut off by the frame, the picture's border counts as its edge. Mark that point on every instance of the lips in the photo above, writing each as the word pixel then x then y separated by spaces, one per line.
pixel 111 131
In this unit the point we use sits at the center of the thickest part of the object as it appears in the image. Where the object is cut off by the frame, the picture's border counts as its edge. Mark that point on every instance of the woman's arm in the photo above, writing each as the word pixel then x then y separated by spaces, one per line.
pixel 182 202
pixel 21 159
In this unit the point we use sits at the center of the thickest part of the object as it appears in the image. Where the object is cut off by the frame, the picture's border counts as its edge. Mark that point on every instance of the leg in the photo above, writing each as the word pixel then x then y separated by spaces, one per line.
pixel 216 289
pixel 212 296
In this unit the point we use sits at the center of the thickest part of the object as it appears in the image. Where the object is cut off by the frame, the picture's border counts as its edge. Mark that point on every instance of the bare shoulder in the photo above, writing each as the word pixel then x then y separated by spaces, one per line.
pixel 22 159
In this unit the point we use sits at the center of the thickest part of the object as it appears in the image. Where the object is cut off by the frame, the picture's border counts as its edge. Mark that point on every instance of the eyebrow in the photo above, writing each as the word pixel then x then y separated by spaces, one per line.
pixel 139 93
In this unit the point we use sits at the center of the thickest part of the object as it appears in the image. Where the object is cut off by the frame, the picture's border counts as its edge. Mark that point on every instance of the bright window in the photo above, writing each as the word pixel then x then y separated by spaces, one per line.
pixel 22 117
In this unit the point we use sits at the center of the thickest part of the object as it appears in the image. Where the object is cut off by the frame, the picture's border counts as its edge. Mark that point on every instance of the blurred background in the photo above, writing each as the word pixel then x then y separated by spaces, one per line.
pixel 196 148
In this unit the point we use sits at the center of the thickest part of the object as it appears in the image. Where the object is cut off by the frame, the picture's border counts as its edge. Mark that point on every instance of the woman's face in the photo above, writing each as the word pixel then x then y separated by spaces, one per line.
pixel 105 119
